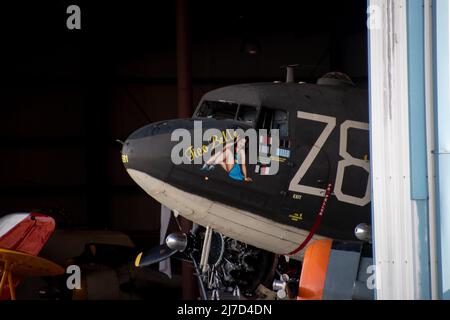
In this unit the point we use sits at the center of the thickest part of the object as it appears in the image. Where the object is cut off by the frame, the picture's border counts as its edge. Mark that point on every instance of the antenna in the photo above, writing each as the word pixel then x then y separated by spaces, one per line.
pixel 290 78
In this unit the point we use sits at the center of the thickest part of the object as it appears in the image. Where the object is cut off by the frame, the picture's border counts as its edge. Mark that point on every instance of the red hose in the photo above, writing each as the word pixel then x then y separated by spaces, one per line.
pixel 316 223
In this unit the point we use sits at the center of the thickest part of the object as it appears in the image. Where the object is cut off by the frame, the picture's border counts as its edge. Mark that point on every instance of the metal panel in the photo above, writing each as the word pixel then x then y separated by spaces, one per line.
pixel 416 96
pixel 418 143
pixel 441 41
pixel 395 216
pixel 428 30
pixel 342 272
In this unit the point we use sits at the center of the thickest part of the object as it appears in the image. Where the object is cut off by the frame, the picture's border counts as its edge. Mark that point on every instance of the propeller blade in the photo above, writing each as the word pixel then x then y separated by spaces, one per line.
pixel 154 255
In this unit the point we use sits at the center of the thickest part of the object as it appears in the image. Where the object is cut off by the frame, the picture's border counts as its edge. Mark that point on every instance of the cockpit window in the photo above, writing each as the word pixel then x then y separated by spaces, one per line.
pixel 218 110
pixel 280 122
pixel 274 119
pixel 227 110
pixel 247 114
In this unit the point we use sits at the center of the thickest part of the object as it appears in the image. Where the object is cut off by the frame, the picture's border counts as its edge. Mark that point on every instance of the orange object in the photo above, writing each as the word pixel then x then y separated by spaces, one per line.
pixel 314 270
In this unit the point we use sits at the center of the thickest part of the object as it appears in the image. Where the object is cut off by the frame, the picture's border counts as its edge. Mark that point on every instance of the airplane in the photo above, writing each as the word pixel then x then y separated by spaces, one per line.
pixel 320 190
pixel 22 236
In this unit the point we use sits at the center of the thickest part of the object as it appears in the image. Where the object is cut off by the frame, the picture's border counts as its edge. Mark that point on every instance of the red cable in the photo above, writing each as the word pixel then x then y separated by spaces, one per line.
pixel 316 223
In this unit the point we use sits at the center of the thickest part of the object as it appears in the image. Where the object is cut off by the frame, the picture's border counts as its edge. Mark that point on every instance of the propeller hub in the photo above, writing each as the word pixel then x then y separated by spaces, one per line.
pixel 177 241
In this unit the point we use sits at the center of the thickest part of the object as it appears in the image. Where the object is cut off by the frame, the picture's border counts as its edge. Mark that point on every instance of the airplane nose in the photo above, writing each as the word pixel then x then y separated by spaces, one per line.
pixel 126 151
pixel 148 149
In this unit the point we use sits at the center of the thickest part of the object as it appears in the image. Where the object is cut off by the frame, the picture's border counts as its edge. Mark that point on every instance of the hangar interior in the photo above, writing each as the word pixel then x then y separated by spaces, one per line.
pixel 71 95
pixel 68 95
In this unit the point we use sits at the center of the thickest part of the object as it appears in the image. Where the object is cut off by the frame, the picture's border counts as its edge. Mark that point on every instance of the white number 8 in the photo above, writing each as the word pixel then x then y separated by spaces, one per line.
pixel 350 161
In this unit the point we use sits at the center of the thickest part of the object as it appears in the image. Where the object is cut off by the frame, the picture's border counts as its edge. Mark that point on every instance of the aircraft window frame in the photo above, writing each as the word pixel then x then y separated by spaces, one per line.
pixel 238 109
pixel 254 121
pixel 273 110
pixel 217 102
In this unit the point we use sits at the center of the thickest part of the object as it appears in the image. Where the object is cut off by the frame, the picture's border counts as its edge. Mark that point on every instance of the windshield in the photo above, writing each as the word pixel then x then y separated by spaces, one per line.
pixel 227 110
pixel 217 110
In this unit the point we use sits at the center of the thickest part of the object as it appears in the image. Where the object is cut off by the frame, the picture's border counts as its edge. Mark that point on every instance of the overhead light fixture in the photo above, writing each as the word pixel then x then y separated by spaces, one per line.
pixel 251 47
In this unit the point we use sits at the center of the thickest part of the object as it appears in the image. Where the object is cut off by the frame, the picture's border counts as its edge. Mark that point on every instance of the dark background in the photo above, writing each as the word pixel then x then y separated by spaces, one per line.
pixel 67 95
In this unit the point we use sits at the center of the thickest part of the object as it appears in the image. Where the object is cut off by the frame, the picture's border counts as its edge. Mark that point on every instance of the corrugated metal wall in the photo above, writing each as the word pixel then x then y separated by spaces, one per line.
pixel 396 217
pixel 409 83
